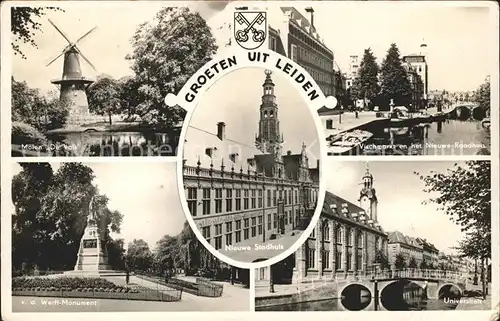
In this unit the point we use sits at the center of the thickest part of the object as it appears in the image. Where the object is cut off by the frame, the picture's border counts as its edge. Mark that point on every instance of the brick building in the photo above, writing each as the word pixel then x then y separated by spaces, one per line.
pixel 345 241
pixel 417 89
pixel 407 246
pixel 293 35
pixel 420 65
pixel 240 195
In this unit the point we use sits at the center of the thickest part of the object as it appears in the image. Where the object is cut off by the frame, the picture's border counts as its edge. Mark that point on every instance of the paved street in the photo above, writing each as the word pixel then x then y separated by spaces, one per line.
pixel 234 298
pixel 349 121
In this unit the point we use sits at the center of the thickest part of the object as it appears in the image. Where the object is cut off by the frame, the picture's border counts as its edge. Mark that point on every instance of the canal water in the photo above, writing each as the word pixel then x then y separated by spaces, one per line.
pixel 447 137
pixel 114 144
pixel 407 297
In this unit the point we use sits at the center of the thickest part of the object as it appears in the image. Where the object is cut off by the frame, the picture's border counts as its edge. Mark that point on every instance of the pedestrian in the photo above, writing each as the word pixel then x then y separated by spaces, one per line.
pixel 356 113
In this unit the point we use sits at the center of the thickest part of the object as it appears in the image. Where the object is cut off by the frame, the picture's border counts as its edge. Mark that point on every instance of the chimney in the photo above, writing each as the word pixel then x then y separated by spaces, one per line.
pixel 311 12
pixel 221 130
pixel 289 152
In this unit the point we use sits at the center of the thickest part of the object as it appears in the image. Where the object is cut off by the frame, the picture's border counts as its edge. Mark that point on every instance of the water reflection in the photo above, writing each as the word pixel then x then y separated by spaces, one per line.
pixel 115 144
pixel 447 137
pixel 355 297
pixel 398 296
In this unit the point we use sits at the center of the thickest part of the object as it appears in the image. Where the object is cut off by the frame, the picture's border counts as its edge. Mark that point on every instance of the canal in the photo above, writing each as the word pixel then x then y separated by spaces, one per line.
pixel 446 137
pixel 399 296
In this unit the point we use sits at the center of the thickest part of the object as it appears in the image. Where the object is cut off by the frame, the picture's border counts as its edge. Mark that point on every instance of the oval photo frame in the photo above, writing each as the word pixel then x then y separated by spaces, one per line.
pixel 191 94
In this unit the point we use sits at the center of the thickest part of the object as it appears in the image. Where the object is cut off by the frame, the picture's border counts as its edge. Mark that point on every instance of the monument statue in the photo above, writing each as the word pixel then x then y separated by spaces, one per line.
pixel 92 258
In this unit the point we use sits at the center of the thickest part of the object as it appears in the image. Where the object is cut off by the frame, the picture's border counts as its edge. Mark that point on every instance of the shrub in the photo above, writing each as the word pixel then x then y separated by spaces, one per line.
pixel 25 134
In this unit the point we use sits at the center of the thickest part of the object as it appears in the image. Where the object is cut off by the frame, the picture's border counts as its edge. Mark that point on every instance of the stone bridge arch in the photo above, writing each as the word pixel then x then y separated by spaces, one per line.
pixel 442 286
pixel 462 112
pixel 363 286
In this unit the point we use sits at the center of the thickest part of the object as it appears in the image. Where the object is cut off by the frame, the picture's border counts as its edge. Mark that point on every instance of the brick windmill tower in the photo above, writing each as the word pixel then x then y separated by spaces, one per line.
pixel 72 83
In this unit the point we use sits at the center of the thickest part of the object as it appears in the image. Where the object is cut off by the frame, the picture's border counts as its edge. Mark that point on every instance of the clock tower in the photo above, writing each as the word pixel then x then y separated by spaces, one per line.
pixel 367 196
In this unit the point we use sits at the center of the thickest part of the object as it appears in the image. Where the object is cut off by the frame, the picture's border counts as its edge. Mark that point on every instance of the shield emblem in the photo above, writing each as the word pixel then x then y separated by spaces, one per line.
pixel 250 28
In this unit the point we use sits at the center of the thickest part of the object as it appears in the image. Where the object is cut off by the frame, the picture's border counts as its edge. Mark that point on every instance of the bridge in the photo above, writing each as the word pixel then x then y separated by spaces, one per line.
pixel 467 110
pixel 383 286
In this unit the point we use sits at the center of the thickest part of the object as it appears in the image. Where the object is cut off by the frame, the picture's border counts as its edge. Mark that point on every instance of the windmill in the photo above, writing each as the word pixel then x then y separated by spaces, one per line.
pixel 72 82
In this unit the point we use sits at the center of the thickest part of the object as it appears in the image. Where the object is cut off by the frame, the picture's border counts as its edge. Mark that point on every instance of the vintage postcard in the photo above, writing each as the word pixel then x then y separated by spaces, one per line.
pixel 250 160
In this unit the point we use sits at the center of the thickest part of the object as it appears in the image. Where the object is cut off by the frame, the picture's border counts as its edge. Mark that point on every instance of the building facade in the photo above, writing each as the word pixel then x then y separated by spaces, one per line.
pixel 296 37
pixel 242 195
pixel 420 65
pixel 417 92
pixel 430 253
pixel 344 242
pixel 406 246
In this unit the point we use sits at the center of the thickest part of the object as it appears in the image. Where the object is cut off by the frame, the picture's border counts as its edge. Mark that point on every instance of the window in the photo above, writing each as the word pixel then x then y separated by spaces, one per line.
pixel 237 234
pixel 229 227
pixel 218 236
pixel 269 222
pixel 360 241
pixel 192 200
pixel 254 200
pixel 286 217
pixel 229 238
pixel 275 220
pixel 349 261
pixel 206 201
pixel 294 53
pixel 274 198
pixel 290 217
pixel 311 258
pixel 262 273
pixel 339 235
pixel 238 199
pixel 254 226
pixel 260 199
pixel 272 43
pixel 229 200
pixel 245 199
pixel 349 237
pixel 290 198
pixel 326 232
pixel 206 233
pixel 268 198
pixel 325 259
pixel 296 198
pixel 218 200
pixel 338 260
pixel 261 223
pixel 246 223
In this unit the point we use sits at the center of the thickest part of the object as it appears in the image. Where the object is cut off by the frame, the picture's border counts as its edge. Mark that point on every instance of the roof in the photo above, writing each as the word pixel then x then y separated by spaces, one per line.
pixel 198 141
pixel 333 206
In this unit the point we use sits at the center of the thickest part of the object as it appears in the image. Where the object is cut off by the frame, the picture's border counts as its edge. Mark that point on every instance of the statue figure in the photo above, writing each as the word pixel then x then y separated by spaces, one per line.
pixel 91 218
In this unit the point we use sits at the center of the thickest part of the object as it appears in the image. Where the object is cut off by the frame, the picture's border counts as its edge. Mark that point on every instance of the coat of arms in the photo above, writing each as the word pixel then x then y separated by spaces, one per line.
pixel 250 29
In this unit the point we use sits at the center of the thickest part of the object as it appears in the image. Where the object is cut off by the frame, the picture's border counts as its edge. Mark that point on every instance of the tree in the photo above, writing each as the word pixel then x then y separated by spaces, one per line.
pixel 394 82
pixel 139 256
pixel 31 107
pixel 464 194
pixel 366 86
pixel 413 263
pixel 24 25
pixel 381 258
pixel 116 254
pixel 400 261
pixel 482 96
pixel 104 96
pixel 51 211
pixel 168 253
pixel 166 53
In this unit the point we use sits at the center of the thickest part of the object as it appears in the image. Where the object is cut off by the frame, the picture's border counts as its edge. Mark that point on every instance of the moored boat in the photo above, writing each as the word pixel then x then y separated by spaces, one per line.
pixel 348 142
pixel 486 123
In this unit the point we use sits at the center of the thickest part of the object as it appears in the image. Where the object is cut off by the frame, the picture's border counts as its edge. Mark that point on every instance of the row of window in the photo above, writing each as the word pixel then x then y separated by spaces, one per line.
pixel 321 63
pixel 356 264
pixel 251 227
pixel 339 236
pixel 251 199
pixel 306 39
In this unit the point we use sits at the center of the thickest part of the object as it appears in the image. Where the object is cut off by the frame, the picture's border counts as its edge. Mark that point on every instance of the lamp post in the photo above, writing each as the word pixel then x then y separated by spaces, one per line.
pixel 340 114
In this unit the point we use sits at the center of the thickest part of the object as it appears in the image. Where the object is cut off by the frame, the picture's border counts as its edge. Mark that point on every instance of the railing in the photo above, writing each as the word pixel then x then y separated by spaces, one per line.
pixel 419 273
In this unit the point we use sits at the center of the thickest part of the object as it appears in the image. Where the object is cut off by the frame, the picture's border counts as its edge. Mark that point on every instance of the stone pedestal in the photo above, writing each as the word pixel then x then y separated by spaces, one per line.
pixel 91 255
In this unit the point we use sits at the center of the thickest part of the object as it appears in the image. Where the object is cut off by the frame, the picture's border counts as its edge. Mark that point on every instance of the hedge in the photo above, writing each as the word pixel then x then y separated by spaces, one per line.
pixel 87 288
pixel 23 133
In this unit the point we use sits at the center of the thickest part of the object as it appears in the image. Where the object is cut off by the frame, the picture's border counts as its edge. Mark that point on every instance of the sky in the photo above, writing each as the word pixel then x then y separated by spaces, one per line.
pixel 400 195
pixel 459 40
pixel 220 102
pixel 145 193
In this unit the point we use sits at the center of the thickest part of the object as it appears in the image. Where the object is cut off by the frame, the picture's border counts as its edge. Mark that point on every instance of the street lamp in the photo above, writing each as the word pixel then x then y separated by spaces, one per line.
pixel 340 114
